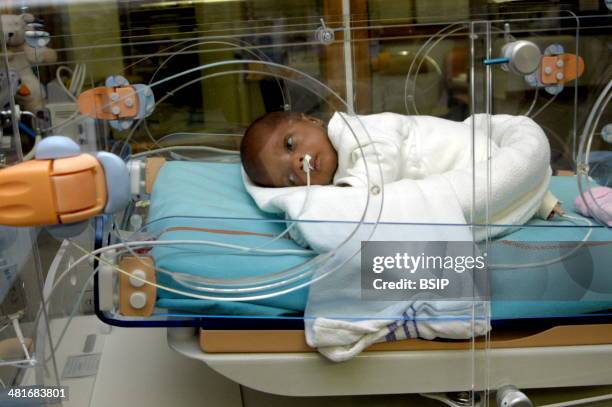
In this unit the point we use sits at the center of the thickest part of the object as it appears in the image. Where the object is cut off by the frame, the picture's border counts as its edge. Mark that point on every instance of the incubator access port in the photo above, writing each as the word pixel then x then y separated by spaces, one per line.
pixel 47 192
pixel 62 186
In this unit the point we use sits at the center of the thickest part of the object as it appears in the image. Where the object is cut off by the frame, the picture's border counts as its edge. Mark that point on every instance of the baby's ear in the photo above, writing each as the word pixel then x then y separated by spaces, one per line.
pixel 314 120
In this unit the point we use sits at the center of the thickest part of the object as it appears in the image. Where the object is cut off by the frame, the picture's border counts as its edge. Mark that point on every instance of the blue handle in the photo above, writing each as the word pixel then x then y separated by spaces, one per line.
pixel 495 61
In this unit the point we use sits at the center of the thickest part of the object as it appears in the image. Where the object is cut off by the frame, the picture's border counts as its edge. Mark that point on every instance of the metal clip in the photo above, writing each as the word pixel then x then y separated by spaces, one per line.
pixel 324 34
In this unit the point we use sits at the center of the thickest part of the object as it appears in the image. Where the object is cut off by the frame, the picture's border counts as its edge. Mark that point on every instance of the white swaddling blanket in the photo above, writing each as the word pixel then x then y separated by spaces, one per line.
pixel 516 183
pixel 396 146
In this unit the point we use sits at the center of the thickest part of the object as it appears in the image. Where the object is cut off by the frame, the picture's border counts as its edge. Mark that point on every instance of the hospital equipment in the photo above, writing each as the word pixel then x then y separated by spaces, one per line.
pixel 165 234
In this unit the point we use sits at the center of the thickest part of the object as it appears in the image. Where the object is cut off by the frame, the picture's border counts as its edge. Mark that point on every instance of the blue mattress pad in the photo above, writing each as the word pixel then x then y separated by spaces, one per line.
pixel 207 201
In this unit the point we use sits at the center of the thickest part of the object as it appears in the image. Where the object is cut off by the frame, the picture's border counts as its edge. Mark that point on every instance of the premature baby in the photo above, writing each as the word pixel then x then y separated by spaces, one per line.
pixel 351 150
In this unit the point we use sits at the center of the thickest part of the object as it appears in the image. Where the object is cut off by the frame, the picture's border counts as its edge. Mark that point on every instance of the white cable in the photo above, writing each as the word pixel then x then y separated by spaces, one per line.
pixel 75 308
pixel 544 106
pixel 533 103
pixel 60 81
pixel 306 167
pixel 188 148
pixel 580 402
pixel 548 262
pixel 3 384
pixel 290 276
pixel 5 326
pixel 75 74
pixel 95 253
pixel 81 80
pixel 19 334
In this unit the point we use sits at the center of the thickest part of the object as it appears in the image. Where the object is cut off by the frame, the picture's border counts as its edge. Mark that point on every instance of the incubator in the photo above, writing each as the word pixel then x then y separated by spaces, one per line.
pixel 470 248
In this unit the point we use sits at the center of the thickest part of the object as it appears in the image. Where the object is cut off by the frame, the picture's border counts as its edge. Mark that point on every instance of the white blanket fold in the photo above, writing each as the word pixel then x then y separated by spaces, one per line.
pixel 436 208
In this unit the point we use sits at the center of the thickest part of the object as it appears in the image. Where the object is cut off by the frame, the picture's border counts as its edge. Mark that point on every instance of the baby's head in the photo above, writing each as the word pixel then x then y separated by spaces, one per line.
pixel 274 146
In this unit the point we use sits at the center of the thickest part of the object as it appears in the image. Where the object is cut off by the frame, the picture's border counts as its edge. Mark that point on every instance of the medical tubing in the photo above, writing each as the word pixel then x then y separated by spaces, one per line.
pixel 533 103
pixel 118 246
pixel 52 290
pixel 432 61
pixel 70 317
pixel 291 272
pixel 587 137
pixel 264 284
pixel 239 46
pixel 333 93
pixel 202 134
pixel 241 281
pixel 188 148
pixel 68 120
pixel 20 337
pixel 159 142
pixel 75 308
pixel 205 297
pixel 60 81
pixel 580 402
pixel 201 78
pixel 207 66
pixel 197 44
pixel 552 261
pixel 306 168
pixel 241 61
pixel 230 72
pixel 417 55
pixel 157 53
pixel 319 259
pixel 545 105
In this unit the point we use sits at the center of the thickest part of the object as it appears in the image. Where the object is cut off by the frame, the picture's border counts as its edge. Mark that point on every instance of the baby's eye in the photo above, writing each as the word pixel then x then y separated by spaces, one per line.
pixel 289 143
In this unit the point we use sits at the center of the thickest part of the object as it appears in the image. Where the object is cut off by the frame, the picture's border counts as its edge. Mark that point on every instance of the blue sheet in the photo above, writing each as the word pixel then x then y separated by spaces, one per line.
pixel 193 201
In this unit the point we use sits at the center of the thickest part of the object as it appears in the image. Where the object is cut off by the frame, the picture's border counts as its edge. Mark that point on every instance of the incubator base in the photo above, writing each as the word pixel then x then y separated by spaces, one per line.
pixel 400 372
pixel 276 341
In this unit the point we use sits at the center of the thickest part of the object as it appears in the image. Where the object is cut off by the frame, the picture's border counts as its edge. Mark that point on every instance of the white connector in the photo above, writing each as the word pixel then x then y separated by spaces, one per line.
pixel 306 164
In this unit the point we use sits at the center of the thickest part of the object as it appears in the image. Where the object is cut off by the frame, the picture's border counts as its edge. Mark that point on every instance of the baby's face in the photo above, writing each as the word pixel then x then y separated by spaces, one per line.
pixel 282 154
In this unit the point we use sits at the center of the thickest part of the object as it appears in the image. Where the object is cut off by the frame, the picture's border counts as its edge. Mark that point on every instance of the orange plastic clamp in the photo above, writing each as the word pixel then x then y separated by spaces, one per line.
pixel 49 192
pixel 109 103
pixel 558 69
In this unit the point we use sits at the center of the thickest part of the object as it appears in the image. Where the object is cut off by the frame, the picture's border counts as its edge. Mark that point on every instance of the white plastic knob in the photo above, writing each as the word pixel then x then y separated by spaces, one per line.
pixel 138 300
pixel 116 110
pixel 139 274
pixel 559 63
pixel 560 75
pixel 114 96
pixel 129 102
pixel 548 70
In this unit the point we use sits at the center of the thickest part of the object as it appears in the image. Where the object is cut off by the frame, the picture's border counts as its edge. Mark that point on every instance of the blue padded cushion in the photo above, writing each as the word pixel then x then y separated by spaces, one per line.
pixel 212 196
